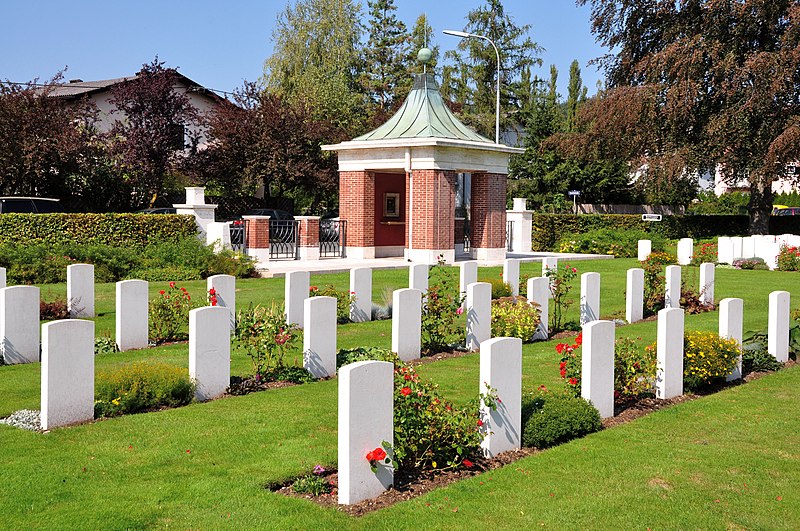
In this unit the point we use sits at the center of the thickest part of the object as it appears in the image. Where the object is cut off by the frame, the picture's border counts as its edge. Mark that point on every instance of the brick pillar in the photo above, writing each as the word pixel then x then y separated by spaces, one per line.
pixel 432 200
pixel 309 237
pixel 257 228
pixel 357 208
pixel 488 223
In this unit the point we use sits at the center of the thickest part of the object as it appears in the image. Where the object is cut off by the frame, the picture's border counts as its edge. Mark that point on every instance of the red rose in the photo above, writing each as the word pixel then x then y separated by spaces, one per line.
pixel 370 456
pixel 172 284
pixel 573 381
pixel 562 365
pixel 161 292
pixel 405 391
pixel 183 290
pixel 467 463
pixel 378 454
pixel 480 422
pixel 212 291
pixel 560 347
pixel 579 339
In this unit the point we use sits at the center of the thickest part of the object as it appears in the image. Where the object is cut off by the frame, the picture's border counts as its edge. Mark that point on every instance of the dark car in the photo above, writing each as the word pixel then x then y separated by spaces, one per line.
pixel 163 210
pixel 29 205
pixel 790 211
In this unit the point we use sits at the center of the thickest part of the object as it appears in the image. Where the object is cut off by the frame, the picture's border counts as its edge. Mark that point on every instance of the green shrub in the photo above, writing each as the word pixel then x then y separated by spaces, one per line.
pixel 265 337
pixel 141 387
pixel 343 300
pixel 514 317
pixel 634 369
pixel 758 360
pixel 169 314
pixel 707 357
pixel 789 258
pixel 704 253
pixel 620 243
pixel 164 274
pixel 549 419
pixel 313 484
pixel 440 310
pixel 352 355
pixel 105 345
pixel 561 283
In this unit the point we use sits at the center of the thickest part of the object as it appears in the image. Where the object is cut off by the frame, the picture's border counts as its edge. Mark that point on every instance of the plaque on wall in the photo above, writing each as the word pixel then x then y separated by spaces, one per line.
pixel 391 205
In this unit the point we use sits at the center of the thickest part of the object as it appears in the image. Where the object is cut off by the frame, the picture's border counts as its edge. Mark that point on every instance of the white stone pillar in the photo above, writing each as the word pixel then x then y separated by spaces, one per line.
pixel 707 283
pixel 539 293
pixel 724 250
pixel 224 287
pixel 644 248
pixel 468 273
pixel 634 295
pixel 80 290
pixel 19 324
pixel 407 323
pixel 731 313
pixel 672 296
pixel 196 206
pixel 210 351
pixel 778 327
pixel 501 369
pixel 736 246
pixel 67 395
pixel 295 292
pixel 366 411
pixel 597 366
pixel 511 274
pixel 418 277
pixel 669 353
pixel 319 336
pixel 685 251
pixel 479 314
pixel 361 288
pixel 218 234
pixel 132 316
pixel 523 225
pixel 590 297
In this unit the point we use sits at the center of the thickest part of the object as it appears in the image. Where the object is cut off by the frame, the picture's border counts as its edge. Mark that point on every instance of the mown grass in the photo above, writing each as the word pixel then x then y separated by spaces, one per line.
pixel 204 466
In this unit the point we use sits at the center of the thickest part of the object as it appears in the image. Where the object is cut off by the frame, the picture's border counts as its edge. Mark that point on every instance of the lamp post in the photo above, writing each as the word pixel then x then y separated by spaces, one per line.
pixel 465 35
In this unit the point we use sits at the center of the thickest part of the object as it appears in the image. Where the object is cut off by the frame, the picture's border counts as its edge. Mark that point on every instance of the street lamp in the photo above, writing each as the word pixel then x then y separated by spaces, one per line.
pixel 465 35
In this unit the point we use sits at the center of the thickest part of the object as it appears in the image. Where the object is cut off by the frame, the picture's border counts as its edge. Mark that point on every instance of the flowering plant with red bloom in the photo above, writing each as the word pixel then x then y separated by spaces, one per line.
pixel 169 314
pixel 380 456
pixel 561 284
pixel 569 366
pixel 344 300
pixel 265 337
pixel 212 297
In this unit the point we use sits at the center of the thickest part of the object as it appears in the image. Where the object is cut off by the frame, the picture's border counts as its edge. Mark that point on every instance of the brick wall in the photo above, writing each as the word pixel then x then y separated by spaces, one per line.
pixel 257 233
pixel 433 209
pixel 488 213
pixel 309 231
pixel 357 207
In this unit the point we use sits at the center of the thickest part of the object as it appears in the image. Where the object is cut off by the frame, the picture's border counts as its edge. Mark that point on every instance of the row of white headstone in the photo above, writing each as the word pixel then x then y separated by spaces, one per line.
pixel 730 248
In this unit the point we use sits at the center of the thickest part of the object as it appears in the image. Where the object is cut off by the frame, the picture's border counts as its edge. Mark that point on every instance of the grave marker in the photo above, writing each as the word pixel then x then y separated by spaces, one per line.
pixel 19 324
pixel 778 326
pixel 707 283
pixel 730 327
pixel 479 314
pixel 644 248
pixel 669 353
pixel 634 295
pixel 511 275
pixel 672 297
pixel 210 351
pixel 319 337
pixel 80 290
pixel 539 293
pixel 361 288
pixel 590 297
pixel 407 323
pixel 132 317
pixel 296 291
pixel 685 251
pixel 224 287
pixel 597 366
pixel 501 369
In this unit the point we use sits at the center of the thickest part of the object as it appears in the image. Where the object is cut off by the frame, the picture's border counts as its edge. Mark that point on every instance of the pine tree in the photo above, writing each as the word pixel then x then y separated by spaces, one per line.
pixel 385 54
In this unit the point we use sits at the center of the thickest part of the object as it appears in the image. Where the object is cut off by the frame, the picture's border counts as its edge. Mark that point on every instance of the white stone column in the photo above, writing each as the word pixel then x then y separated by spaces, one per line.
pixel 210 351
pixel 407 323
pixel 295 292
pixel 523 225
pixel 80 290
pixel 644 248
pixel 366 411
pixel 597 366
pixel 731 313
pixel 418 277
pixel 319 336
pixel 468 273
pixel 479 314
pixel 778 327
pixel 539 293
pixel 511 274
pixel 132 316
pixel 724 250
pixel 67 395
pixel 501 369
pixel 19 324
pixel 361 288
pixel 196 206
pixel 669 353
pixel 685 251
pixel 672 296
pixel 707 283
pixel 590 297
pixel 224 287
pixel 634 295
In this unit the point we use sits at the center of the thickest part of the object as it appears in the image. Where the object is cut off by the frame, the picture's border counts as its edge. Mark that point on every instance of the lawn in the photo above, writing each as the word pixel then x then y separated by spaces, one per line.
pixel 728 460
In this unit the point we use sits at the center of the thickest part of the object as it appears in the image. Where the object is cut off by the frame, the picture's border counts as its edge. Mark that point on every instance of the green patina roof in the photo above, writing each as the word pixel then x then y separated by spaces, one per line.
pixel 424 115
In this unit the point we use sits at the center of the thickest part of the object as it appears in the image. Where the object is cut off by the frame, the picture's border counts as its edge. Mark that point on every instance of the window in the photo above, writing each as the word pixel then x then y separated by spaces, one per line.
pixel 177 133
pixel 463 194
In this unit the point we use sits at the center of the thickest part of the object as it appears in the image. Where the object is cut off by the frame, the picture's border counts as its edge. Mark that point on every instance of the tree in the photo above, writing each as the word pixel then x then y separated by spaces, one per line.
pixel 470 77
pixel 696 83
pixel 386 52
pixel 148 139
pixel 576 94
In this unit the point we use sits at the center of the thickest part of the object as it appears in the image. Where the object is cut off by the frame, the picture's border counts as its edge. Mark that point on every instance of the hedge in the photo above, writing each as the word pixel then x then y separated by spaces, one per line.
pixel 118 230
pixel 549 228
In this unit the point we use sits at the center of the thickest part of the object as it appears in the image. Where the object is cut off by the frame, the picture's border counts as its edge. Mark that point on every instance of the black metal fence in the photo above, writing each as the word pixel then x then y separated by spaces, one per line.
pixel 283 235
pixel 509 235
pixel 332 238
pixel 239 236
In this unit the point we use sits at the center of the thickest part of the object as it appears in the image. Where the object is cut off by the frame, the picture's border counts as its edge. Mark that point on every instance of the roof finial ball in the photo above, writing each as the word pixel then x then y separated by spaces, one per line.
pixel 424 56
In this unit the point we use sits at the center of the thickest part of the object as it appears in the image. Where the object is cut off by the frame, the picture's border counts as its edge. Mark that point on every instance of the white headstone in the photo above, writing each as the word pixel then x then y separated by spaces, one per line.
pixel 724 250
pixel 597 366
pixel 731 313
pixel 736 245
pixel 669 353
pixel 2 277
pixel 361 289
pixel 634 295
pixel 511 275
pixel 210 351
pixel 418 277
pixel 590 297
pixel 539 293
pixel 479 314
pixel 468 274
pixel 549 263
pixel 748 247
pixel 407 323
pixel 501 369
pixel 644 248
pixel 319 337
pixel 67 373
pixel 685 251
pixel 707 283
pixel 672 296
pixel 19 324
pixel 778 326
pixel 132 318
pixel 224 287
pixel 771 251
pixel 366 410
pixel 80 290
pixel 295 292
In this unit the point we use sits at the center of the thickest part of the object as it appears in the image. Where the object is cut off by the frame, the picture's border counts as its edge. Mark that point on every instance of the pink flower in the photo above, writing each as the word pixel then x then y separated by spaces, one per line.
pixel 459 311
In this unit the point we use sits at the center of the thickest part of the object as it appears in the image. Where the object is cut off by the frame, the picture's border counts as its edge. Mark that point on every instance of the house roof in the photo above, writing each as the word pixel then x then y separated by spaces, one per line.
pixel 77 88
pixel 424 115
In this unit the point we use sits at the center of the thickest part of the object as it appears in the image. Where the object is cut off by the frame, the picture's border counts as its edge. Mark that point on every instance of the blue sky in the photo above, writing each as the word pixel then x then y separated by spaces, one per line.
pixel 219 44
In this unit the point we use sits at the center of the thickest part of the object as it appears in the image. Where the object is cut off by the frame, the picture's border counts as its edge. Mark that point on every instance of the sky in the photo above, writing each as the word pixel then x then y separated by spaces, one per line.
pixel 220 44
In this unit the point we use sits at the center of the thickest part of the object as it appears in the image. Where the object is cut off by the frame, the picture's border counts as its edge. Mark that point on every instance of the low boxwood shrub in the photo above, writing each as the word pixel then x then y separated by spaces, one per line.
pixel 140 387
pixel 514 317
pixel 550 418
pixel 621 243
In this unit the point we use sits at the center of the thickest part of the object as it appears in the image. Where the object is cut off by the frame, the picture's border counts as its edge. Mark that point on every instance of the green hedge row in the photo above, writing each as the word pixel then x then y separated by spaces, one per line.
pixel 549 228
pixel 119 230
